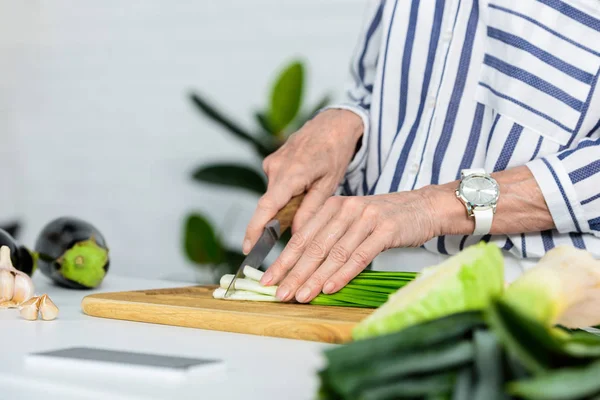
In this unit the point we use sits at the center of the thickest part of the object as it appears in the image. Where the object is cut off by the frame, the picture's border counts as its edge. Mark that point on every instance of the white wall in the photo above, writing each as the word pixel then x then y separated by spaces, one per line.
pixel 95 122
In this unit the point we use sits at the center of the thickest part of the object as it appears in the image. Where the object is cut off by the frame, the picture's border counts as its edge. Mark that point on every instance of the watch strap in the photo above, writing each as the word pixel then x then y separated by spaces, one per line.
pixel 470 171
pixel 483 218
pixel 483 221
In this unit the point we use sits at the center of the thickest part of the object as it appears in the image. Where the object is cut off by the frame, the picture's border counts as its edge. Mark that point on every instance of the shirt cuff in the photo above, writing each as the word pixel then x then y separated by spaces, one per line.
pixel 559 194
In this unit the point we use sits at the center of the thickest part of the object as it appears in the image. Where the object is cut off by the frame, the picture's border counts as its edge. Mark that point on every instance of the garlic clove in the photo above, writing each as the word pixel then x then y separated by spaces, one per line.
pixel 5 261
pixel 24 288
pixel 31 308
pixel 7 285
pixel 48 309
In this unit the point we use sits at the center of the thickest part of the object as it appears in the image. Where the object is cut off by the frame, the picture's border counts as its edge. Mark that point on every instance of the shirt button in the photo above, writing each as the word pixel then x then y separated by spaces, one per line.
pixel 414 168
pixel 447 36
pixel 431 102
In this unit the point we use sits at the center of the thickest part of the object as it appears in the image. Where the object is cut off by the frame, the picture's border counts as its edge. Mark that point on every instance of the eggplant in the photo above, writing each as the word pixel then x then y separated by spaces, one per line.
pixel 21 257
pixel 73 253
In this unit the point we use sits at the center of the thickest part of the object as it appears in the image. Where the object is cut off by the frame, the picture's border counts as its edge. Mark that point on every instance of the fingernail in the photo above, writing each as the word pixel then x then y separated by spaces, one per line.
pixel 303 294
pixel 266 279
pixel 246 247
pixel 282 293
pixel 329 287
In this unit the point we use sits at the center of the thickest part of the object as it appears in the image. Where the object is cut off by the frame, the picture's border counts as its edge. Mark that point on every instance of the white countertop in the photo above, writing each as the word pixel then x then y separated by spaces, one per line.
pixel 255 367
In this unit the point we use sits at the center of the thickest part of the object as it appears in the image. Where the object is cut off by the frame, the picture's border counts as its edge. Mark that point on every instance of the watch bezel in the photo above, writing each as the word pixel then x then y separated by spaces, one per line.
pixel 480 206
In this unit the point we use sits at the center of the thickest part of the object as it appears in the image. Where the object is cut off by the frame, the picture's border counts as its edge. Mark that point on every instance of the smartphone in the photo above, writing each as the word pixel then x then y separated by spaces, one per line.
pixel 121 363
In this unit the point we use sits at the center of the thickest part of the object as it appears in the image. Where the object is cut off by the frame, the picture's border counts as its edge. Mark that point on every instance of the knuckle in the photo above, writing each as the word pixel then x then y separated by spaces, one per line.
pixel 293 279
pixel 334 201
pixel 277 267
pixel 339 254
pixel 360 258
pixel 370 212
pixel 316 249
pixel 316 281
pixel 266 202
pixel 351 203
pixel 297 242
pixel 344 276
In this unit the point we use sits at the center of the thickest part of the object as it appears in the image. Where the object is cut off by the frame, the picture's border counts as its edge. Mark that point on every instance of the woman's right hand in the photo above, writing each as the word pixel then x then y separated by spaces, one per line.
pixel 312 161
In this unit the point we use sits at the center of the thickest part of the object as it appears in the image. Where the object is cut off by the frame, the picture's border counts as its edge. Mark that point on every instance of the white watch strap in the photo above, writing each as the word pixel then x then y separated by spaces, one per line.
pixel 483 221
pixel 470 171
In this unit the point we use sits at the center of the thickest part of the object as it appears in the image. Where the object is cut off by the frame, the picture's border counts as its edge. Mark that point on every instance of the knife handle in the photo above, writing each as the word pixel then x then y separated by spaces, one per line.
pixel 285 216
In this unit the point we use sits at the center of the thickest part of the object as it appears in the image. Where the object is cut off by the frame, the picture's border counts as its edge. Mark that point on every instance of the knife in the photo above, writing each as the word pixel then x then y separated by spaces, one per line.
pixel 272 232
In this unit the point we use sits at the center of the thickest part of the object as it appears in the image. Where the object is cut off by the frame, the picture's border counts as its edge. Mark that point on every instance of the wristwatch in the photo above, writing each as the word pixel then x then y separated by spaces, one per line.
pixel 479 192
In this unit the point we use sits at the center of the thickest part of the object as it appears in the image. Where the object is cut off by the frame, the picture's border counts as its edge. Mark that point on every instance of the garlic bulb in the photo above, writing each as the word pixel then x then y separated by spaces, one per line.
pixel 16 287
pixel 7 285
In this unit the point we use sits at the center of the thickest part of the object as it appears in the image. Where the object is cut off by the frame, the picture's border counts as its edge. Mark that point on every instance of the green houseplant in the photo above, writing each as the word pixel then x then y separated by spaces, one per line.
pixel 284 113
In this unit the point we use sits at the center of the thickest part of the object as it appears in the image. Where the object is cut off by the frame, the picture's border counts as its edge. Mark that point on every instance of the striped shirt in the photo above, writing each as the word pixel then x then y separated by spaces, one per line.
pixel 446 85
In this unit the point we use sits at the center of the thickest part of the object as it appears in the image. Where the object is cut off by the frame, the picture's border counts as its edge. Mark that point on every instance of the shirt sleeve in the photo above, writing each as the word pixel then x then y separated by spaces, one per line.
pixel 570 184
pixel 360 89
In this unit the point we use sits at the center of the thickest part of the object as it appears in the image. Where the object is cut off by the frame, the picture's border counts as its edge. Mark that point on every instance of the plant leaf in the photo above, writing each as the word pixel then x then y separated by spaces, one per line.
pixel 201 243
pixel 232 175
pixel 286 96
pixel 263 121
pixel 220 118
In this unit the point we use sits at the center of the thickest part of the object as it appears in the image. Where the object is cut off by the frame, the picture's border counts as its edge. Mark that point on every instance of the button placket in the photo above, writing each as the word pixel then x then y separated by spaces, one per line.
pixel 429 120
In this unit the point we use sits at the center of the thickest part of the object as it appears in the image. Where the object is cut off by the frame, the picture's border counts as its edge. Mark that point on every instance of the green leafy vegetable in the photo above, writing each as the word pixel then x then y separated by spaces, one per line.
pixel 442 330
pixel 394 366
pixel 464 385
pixel 561 384
pixel 488 366
pixel 466 281
pixel 417 386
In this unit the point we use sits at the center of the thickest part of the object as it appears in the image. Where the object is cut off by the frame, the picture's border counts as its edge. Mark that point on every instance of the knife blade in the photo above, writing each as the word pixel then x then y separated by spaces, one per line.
pixel 271 233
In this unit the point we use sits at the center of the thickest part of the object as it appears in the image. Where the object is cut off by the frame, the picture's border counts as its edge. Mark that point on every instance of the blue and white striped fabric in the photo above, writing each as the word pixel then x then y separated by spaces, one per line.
pixel 446 85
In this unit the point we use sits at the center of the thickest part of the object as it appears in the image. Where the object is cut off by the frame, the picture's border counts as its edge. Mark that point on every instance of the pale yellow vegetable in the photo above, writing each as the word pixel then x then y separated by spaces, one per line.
pixel 562 288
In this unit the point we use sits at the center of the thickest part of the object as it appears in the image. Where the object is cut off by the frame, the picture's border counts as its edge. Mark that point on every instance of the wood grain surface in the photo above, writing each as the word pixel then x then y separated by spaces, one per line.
pixel 195 307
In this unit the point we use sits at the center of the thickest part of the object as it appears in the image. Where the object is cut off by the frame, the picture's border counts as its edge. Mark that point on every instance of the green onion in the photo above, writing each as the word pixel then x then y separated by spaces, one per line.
pixel 369 289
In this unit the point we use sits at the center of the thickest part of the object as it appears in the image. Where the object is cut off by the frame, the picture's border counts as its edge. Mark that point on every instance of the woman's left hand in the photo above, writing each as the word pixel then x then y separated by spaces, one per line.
pixel 344 237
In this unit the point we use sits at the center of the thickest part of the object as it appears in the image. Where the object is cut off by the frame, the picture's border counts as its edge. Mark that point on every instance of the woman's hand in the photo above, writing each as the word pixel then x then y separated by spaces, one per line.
pixel 312 161
pixel 344 236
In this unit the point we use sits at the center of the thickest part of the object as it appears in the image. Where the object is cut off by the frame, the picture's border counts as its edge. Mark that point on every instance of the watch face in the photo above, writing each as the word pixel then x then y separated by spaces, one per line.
pixel 479 190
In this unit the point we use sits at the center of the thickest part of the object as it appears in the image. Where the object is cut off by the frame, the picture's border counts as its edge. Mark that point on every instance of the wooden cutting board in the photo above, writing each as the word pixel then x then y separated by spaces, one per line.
pixel 195 307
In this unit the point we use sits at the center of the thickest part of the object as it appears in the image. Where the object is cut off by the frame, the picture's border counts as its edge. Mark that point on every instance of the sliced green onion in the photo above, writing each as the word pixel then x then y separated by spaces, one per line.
pixel 247 284
pixel 253 273
pixel 219 293
pixel 369 289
